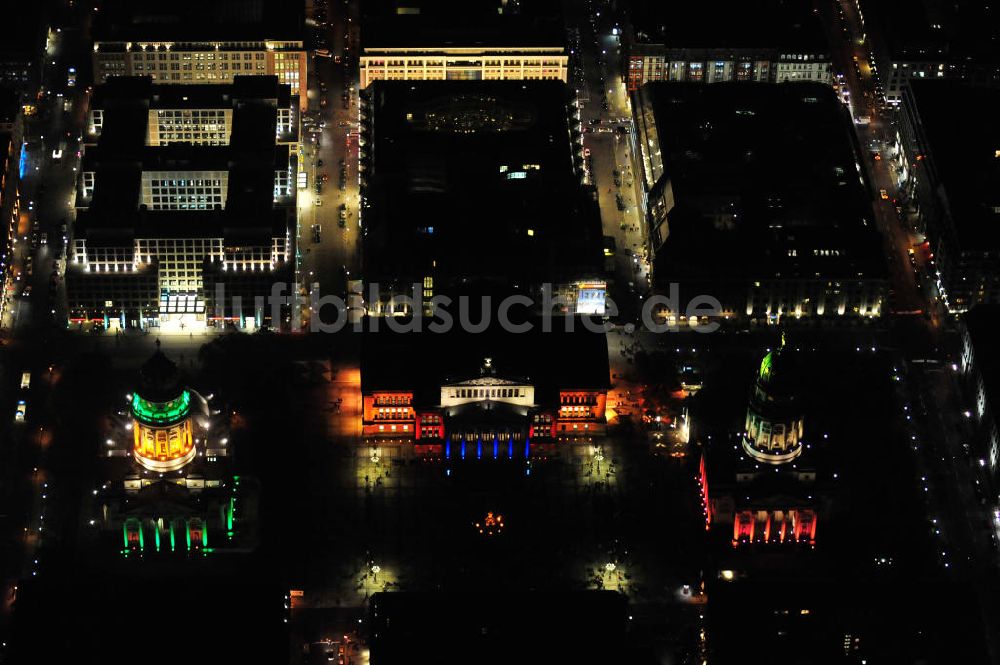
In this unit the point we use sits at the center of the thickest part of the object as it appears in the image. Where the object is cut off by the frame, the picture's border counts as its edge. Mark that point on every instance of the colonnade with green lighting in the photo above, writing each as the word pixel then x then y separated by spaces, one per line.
pixel 165 535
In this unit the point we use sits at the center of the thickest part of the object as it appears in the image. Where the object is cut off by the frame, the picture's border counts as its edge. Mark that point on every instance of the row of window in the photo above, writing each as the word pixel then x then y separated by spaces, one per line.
pixel 191 113
pixel 392 399
pixel 394 413
pixel 175 56
pixel 485 393
pixel 441 62
pixel 579 399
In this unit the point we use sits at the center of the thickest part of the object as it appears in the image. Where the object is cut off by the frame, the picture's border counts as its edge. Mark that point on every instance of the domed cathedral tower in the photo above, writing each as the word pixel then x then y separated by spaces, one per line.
pixel 774 423
pixel 161 417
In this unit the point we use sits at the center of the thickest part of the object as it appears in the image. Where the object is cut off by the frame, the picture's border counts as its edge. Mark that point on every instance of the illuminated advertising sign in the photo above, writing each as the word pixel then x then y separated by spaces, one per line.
pixel 590 298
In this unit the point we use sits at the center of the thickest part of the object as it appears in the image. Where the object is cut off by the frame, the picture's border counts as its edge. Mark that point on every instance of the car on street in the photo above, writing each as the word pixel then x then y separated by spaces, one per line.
pixel 25 380
pixel 884 194
pixel 21 412
pixel 316 233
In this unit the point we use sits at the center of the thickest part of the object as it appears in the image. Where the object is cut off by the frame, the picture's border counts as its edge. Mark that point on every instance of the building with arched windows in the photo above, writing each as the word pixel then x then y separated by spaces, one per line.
pixel 764 480
pixel 493 394
pixel 171 486
pixel 162 411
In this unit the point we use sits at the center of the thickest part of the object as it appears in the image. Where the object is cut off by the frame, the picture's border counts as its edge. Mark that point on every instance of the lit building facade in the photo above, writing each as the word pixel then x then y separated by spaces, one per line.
pixel 576 413
pixel 763 490
pixel 161 409
pixel 205 63
pixel 979 328
pixel 170 488
pixel 446 63
pixel 768 42
pixel 944 173
pixel 786 245
pixel 447 408
pixel 201 43
pixel 11 165
pixel 434 41
pixel 171 206
pixel 773 431
pixel 649 63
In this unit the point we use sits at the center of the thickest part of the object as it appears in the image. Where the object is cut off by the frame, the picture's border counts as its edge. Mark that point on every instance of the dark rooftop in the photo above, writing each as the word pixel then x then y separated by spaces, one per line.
pixel 114 214
pixel 114 230
pixel 140 90
pixel 964 155
pixel 476 181
pixel 159 378
pixel 121 155
pixel 549 360
pixel 194 20
pixel 427 23
pixel 921 30
pixel 791 24
pixel 766 176
pixel 10 105
pixel 24 32
pixel 586 627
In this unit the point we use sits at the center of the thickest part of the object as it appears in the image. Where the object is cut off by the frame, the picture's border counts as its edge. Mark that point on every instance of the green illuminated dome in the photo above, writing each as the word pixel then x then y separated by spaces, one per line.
pixel 161 413
pixel 774 424
pixel 778 372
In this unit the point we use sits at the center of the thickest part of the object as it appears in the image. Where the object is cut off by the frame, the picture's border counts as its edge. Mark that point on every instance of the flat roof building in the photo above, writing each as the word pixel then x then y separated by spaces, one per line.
pixel 194 114
pixel 161 224
pixel 451 40
pixel 22 46
pixel 930 39
pixel 755 198
pixel 980 328
pixel 950 172
pixel 11 156
pixel 477 187
pixel 774 41
pixel 201 41
pixel 493 393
